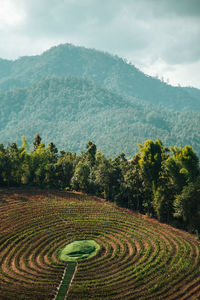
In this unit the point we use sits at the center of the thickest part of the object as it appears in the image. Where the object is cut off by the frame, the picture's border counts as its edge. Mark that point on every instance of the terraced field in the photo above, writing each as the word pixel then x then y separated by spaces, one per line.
pixel 139 258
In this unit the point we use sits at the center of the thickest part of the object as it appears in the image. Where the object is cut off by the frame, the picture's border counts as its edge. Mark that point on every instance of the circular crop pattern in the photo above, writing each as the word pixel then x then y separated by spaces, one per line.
pixel 137 258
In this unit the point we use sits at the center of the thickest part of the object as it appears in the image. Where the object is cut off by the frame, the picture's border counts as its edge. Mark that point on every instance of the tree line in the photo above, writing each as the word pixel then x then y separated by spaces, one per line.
pixel 161 182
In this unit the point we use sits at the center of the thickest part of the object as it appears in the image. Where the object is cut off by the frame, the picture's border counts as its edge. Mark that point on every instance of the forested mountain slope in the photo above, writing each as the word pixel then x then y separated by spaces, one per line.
pixel 70 111
pixel 110 72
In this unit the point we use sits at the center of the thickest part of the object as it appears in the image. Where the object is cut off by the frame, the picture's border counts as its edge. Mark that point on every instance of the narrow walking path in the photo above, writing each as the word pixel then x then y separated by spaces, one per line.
pixel 66 281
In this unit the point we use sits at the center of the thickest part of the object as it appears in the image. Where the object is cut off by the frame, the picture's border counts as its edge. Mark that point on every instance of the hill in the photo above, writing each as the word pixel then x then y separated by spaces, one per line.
pixel 110 72
pixel 72 94
pixel 70 111
pixel 138 257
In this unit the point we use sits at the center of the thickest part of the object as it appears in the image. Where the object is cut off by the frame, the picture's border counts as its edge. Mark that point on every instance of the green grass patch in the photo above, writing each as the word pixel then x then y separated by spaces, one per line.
pixel 78 250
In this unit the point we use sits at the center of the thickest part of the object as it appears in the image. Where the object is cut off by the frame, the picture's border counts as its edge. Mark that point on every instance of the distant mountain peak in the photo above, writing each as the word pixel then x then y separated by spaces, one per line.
pixel 71 94
pixel 110 72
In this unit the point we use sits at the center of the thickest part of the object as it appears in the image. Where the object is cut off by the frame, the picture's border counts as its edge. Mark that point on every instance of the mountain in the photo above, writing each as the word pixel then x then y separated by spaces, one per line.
pixel 70 111
pixel 108 71
pixel 72 94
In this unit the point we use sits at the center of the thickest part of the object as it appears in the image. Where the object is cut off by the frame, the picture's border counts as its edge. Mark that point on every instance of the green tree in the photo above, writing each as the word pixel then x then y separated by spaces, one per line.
pixel 187 205
pixel 80 179
pixel 65 167
pixel 163 204
pixel 132 181
pixel 150 162
pixel 107 178
pixel 39 170
pixel 5 166
pixel 91 152
pixel 183 166
pixel 37 141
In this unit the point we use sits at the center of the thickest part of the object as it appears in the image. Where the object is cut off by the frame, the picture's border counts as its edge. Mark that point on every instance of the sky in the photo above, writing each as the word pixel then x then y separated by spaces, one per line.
pixel 160 37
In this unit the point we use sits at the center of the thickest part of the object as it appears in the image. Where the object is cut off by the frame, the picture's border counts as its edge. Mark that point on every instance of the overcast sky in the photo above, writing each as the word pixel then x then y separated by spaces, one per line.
pixel 160 37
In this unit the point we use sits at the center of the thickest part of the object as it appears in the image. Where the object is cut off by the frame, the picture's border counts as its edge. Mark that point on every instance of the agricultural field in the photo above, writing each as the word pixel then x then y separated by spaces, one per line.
pixel 138 257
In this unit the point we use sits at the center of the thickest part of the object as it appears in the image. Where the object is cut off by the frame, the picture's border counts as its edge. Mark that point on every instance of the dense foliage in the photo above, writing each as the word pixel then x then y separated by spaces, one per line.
pixel 103 69
pixel 158 181
pixel 72 111
pixel 73 94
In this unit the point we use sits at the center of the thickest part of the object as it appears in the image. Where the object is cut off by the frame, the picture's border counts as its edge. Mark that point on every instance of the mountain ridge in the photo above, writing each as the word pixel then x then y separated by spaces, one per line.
pixel 70 111
pixel 110 72
pixel 71 98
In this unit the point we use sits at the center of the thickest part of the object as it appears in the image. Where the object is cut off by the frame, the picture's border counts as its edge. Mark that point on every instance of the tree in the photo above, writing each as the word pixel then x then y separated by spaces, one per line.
pixel 163 204
pixel 132 182
pixel 24 143
pixel 80 179
pixel 39 160
pixel 187 205
pixel 150 162
pixel 65 167
pixel 16 163
pixel 37 141
pixel 91 152
pixel 5 167
pixel 107 178
pixel 183 166
pixel 52 148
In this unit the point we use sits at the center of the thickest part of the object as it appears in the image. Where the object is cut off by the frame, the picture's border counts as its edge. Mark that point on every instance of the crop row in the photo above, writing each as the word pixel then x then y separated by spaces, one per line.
pixel 139 258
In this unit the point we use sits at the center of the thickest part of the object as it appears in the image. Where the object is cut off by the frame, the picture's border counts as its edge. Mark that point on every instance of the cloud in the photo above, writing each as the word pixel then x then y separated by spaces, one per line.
pixel 10 16
pixel 179 74
pixel 145 31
